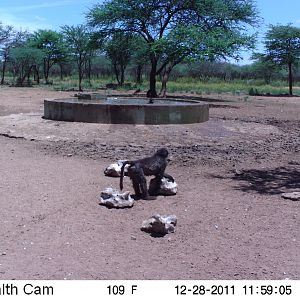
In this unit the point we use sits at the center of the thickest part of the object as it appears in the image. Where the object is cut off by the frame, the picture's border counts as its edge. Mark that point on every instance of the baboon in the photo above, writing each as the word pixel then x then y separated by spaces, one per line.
pixel 154 165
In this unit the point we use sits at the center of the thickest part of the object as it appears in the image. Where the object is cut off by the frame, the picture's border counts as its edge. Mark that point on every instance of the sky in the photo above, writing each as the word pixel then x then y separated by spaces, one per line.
pixel 45 14
pixel 34 14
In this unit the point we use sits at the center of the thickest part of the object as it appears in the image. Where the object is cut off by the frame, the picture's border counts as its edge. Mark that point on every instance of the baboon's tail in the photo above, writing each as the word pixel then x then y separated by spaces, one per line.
pixel 126 162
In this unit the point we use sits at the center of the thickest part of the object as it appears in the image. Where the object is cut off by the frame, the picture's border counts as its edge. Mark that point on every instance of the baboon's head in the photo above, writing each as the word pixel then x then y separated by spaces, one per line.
pixel 163 152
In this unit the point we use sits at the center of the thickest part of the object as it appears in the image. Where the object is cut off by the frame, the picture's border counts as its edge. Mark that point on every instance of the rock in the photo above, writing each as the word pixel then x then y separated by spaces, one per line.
pixel 114 170
pixel 295 196
pixel 158 224
pixel 167 187
pixel 115 199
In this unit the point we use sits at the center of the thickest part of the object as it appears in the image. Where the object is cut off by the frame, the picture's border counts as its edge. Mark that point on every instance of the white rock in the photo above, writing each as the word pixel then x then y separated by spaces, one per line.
pixel 114 170
pixel 295 196
pixel 167 187
pixel 115 199
pixel 158 224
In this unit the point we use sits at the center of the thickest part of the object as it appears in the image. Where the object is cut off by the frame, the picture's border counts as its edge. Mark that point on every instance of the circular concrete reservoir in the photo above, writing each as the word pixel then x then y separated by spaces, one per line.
pixel 126 110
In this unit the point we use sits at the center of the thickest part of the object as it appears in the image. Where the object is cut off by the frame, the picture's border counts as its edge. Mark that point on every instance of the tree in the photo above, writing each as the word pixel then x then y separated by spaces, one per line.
pixel 78 39
pixel 118 50
pixel 53 47
pixel 12 40
pixel 282 47
pixel 6 35
pixel 5 32
pixel 139 56
pixel 190 44
pixel 155 21
pixel 24 59
pixel 263 67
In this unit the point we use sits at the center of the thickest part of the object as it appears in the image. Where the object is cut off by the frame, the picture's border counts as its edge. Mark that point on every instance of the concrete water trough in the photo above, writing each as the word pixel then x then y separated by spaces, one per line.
pixel 97 108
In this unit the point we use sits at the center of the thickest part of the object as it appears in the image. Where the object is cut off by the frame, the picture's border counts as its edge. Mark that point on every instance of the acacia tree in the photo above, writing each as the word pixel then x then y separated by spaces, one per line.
pixel 139 56
pixel 188 44
pixel 6 36
pixel 12 40
pixel 155 20
pixel 118 49
pixel 24 59
pixel 282 47
pixel 78 39
pixel 263 67
pixel 53 47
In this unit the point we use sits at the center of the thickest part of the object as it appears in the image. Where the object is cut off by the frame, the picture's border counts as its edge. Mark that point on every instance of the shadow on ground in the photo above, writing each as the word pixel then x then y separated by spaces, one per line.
pixel 266 181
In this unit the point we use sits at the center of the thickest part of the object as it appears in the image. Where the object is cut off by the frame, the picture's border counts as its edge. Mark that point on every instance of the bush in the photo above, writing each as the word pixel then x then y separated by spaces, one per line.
pixel 253 92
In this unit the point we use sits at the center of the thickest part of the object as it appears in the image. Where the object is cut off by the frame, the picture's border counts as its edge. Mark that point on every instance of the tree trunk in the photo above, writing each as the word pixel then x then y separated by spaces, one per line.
pixel 79 83
pixel 117 73
pixel 89 71
pixel 61 72
pixel 122 75
pixel 163 89
pixel 152 90
pixel 36 75
pixel 22 76
pixel 28 77
pixel 139 74
pixel 45 71
pixel 80 64
pixel 165 79
pixel 48 71
pixel 3 71
pixel 290 79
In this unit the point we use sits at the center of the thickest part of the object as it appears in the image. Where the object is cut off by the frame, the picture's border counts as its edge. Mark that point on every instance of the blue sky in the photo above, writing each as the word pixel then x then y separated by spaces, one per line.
pixel 35 14
pixel 46 14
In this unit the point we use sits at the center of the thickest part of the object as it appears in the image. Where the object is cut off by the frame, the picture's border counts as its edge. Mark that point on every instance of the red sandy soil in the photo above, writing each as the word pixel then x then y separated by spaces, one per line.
pixel 231 172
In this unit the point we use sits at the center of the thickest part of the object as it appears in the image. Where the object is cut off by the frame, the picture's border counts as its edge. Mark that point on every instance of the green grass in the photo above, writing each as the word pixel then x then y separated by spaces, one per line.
pixel 234 87
pixel 72 83
pixel 184 85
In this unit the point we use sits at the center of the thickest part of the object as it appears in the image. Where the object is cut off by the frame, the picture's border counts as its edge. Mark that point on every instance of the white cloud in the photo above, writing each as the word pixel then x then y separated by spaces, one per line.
pixel 20 23
pixel 31 17
pixel 41 19
pixel 37 6
pixel 20 18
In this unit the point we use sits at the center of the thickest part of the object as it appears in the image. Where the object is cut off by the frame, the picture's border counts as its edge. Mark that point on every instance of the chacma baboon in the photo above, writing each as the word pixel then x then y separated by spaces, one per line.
pixel 154 165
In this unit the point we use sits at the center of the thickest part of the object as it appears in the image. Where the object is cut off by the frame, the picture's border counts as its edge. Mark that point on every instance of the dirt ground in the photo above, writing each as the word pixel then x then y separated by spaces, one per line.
pixel 231 172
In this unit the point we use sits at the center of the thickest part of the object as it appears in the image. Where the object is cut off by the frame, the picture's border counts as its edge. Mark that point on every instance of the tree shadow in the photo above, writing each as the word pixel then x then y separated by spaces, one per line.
pixel 268 181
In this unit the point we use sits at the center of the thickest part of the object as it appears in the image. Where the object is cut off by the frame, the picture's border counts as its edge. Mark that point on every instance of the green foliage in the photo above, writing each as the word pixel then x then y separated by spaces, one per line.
pixel 175 30
pixel 53 47
pixel 78 39
pixel 52 44
pixel 253 91
pixel 119 51
pixel 23 60
pixel 264 67
pixel 79 42
pixel 282 43
pixel 6 38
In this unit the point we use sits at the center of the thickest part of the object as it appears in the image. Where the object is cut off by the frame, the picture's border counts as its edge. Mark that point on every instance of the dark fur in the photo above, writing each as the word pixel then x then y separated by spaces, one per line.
pixel 154 165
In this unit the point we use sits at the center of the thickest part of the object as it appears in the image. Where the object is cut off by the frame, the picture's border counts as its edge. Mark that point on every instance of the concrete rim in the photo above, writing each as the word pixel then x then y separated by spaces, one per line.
pixel 95 111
